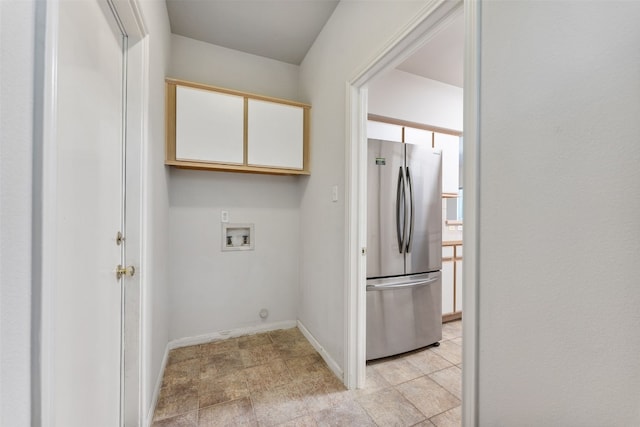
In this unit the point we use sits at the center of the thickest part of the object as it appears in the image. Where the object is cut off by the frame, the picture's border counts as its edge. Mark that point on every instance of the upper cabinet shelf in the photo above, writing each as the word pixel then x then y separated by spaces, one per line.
pixel 226 130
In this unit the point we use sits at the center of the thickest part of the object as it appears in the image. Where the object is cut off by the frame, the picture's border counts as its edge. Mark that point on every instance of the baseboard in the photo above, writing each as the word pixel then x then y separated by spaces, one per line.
pixel 335 368
pixel 231 333
pixel 450 317
pixel 156 389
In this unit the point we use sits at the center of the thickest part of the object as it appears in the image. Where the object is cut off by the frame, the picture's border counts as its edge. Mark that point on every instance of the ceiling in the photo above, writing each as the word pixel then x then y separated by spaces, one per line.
pixel 284 30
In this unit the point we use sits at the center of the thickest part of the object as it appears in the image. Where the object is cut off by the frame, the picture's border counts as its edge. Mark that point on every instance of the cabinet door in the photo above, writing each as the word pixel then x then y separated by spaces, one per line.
pixel 209 126
pixel 450 146
pixel 275 134
pixel 384 131
pixel 418 136
pixel 447 287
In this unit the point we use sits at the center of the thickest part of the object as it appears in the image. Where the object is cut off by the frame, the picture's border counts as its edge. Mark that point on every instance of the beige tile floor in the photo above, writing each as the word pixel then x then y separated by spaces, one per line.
pixel 278 379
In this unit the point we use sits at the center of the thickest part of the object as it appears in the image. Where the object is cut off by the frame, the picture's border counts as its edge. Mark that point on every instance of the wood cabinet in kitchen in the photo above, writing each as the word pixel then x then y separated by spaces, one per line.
pixel 451 281
pixel 221 129
pixel 384 131
pixel 418 136
pixel 450 146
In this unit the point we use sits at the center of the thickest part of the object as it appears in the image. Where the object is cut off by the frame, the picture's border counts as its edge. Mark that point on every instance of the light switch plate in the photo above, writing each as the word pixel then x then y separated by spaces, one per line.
pixel 224 216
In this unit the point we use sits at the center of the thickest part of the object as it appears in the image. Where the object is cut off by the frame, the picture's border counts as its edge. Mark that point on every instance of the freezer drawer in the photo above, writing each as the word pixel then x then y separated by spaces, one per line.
pixel 403 314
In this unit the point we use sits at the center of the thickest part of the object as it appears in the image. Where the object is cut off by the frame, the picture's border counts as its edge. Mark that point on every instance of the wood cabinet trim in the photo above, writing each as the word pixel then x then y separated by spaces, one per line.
pixel 179 82
pixel 170 121
pixel 415 125
pixel 245 130
pixel 233 168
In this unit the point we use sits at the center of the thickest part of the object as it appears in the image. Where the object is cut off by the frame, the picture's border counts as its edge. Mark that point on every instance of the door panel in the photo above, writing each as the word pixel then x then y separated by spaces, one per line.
pixel 87 305
pixel 425 252
pixel 447 287
pixel 384 161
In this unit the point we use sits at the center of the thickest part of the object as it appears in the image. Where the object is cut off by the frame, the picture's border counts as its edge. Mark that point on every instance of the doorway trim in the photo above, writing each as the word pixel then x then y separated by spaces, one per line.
pixel 45 190
pixel 428 22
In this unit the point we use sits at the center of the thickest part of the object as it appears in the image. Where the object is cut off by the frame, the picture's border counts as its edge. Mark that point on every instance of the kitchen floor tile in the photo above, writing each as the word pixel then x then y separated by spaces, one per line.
pixel 268 376
pixel 388 407
pixel 258 355
pixel 451 330
pixel 234 413
pixel 220 346
pixel 450 418
pixel 450 379
pixel 304 421
pixel 397 370
pixel 181 374
pixel 221 389
pixel 190 419
pixel 349 413
pixel 428 396
pixel 183 353
pixel 224 363
pixel 427 361
pixel 276 406
pixel 175 403
pixel 450 351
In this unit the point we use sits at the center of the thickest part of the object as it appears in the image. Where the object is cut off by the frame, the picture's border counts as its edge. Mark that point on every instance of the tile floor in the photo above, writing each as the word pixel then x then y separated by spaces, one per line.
pixel 278 379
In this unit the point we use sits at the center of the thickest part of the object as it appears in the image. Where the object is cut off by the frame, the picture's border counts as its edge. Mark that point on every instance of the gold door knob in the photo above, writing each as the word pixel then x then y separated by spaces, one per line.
pixel 125 271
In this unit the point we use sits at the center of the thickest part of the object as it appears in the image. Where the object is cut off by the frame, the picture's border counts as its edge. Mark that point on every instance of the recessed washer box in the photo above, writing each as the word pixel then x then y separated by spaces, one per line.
pixel 237 237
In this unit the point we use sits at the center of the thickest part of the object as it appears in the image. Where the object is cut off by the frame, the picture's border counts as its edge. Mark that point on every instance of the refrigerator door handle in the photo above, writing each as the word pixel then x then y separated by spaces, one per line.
pixel 410 212
pixel 400 202
pixel 391 287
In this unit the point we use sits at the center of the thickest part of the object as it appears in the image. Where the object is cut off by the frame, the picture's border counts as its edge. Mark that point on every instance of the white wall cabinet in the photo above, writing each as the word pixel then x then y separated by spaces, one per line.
pixel 418 136
pixel 450 146
pixel 209 126
pixel 221 129
pixel 275 135
pixel 384 131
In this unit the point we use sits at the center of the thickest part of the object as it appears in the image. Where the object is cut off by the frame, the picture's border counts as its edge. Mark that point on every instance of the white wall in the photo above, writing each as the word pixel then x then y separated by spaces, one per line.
pixel 354 35
pixel 202 62
pixel 155 322
pixel 558 290
pixel 17 35
pixel 211 290
pixel 401 95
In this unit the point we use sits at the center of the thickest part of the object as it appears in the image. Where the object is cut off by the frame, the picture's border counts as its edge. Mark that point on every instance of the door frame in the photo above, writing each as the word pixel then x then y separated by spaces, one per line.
pixel 45 191
pixel 425 25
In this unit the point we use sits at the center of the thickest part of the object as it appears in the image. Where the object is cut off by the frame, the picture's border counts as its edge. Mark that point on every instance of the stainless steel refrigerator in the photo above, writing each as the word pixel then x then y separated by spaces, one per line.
pixel 404 247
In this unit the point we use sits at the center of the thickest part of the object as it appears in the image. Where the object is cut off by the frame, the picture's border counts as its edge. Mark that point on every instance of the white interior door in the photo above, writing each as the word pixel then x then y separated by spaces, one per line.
pixel 87 315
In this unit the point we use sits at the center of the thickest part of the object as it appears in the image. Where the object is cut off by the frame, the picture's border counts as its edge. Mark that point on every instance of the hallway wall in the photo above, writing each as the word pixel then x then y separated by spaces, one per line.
pixel 155 298
pixel 559 156
pixel 17 62
pixel 353 36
